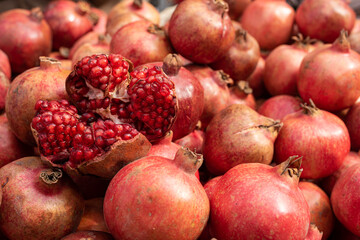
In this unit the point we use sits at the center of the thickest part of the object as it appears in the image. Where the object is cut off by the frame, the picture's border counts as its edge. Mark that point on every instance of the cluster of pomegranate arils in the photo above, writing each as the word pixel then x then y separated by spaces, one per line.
pixel 112 102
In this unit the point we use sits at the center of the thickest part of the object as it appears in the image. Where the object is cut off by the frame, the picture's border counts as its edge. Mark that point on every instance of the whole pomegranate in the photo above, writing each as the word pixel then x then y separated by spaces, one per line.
pixel 143 189
pixel 354 40
pixel 141 42
pixel 279 106
pixel 241 58
pixel 101 19
pixel 257 201
pixel 282 67
pixel 241 93
pixel 345 200
pixel 303 133
pixel 269 22
pixel 121 20
pixel 4 86
pixel 209 18
pixel 69 21
pixel 314 233
pixel 5 64
pixel 321 213
pixel 44 82
pixel 38 202
pixel 256 79
pixel 11 148
pixel 165 147
pixel 90 235
pixel 237 7
pixel 241 126
pixel 92 37
pixel 93 217
pixel 193 141
pixel 352 124
pixel 330 18
pixel 34 32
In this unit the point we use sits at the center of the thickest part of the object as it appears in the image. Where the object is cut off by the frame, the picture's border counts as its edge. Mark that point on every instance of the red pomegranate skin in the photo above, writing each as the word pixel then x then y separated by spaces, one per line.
pixel 256 201
pixel 141 42
pixel 341 232
pixel 100 26
pixel 5 64
pixel 319 136
pixel 137 196
pixel 68 21
pixel 352 124
pixel 320 207
pixel 90 37
pixel 11 148
pixel 354 40
pixel 20 24
pixel 93 217
pixel 279 106
pixel 4 86
pixel 89 49
pixel 201 30
pixel 335 66
pixel 164 148
pixel 241 93
pixel 330 18
pixel 237 7
pixel 345 199
pixel 33 208
pixel 282 68
pixel 256 79
pixel 44 82
pixel 193 141
pixel 88 235
pixel 314 233
pixel 328 183
pixel 121 20
pixel 238 125
pixel 269 22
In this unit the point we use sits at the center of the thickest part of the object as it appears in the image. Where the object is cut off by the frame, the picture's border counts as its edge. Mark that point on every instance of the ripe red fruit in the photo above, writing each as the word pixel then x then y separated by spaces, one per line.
pixel 68 21
pixel 93 235
pixel 164 148
pixel 44 82
pixel 257 201
pixel 4 86
pixel 237 7
pixel 320 207
pixel 209 18
pixel 241 93
pixel 303 133
pixel 280 106
pixel 238 125
pixel 330 18
pixel 256 79
pixel 314 233
pixel 35 35
pixel 121 20
pixel 269 22
pixel 352 124
pixel 92 37
pixel 142 190
pixel 5 64
pixel 102 46
pixel 102 17
pixel 193 141
pixel 32 192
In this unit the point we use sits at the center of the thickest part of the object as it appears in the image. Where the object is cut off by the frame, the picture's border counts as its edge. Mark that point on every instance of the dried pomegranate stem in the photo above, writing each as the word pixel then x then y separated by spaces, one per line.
pixel 244 87
pixel 309 109
pixel 51 176
pixel 36 14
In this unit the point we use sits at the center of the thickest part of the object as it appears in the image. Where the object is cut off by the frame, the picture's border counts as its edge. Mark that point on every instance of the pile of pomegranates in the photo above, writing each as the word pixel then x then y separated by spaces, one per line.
pixel 211 119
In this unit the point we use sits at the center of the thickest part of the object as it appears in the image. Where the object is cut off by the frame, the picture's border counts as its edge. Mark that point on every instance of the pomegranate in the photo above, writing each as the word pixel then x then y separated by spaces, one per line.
pixel 241 93
pixel 282 67
pixel 89 49
pixel 142 8
pixel 269 22
pixel 193 141
pixel 69 21
pixel 354 40
pixel 335 66
pixel 216 92
pixel 11 148
pixel 121 20
pixel 4 86
pixel 344 199
pixel 257 201
pixel 209 18
pixel 38 202
pixel 330 18
pixel 314 233
pixel 256 79
pixel 279 106
pixel 141 42
pixel 320 207
pixel 164 148
pixel 89 235
pixel 35 35
pixel 44 82
pixel 352 124
pixel 237 7
pixel 144 188
pixel 317 135
pixel 92 37
pixel 93 217
pixel 241 59
pixel 238 125
pixel 101 17
pixel 328 183
pixel 5 64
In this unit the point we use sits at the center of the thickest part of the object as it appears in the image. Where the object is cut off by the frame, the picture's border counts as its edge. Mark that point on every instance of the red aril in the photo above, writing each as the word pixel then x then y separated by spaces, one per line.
pixel 278 107
pixel 5 64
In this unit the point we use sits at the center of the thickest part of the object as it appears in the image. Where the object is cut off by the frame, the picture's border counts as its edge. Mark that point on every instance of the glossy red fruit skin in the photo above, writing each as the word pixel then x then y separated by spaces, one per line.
pixel 320 207
pixel 282 68
pixel 314 233
pixel 54 199
pixel 274 26
pixel 93 235
pixel 193 141
pixel 44 82
pixel 336 66
pixel 344 199
pixel 155 184
pixel 237 7
pixel 90 37
pixel 18 24
pixel 164 148
pixel 330 17
pixel 89 49
pixel 241 93
pixel 4 86
pixel 256 79
pixel 278 107
pixel 238 210
pixel 238 125
pixel 121 20
pixel 141 42
pixel 100 26
pixel 319 136
pixel 208 17
pixel 5 64
pixel 352 123
pixel 11 148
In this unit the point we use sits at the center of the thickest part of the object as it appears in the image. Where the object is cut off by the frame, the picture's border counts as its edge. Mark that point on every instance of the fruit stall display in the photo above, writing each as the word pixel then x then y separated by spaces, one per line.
pixel 204 120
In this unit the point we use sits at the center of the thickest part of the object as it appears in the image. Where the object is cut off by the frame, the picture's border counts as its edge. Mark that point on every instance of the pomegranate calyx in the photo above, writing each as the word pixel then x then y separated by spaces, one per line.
pixel 241 36
pixel 49 63
pixel 94 18
pixel 342 42
pixel 301 42
pixel 291 167
pixel 138 3
pixel 51 176
pixel 83 7
pixel 309 109
pixel 224 78
pixel 244 87
pixel 220 6
pixel 64 52
pixel 172 64
pixel 36 14
pixel 187 160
